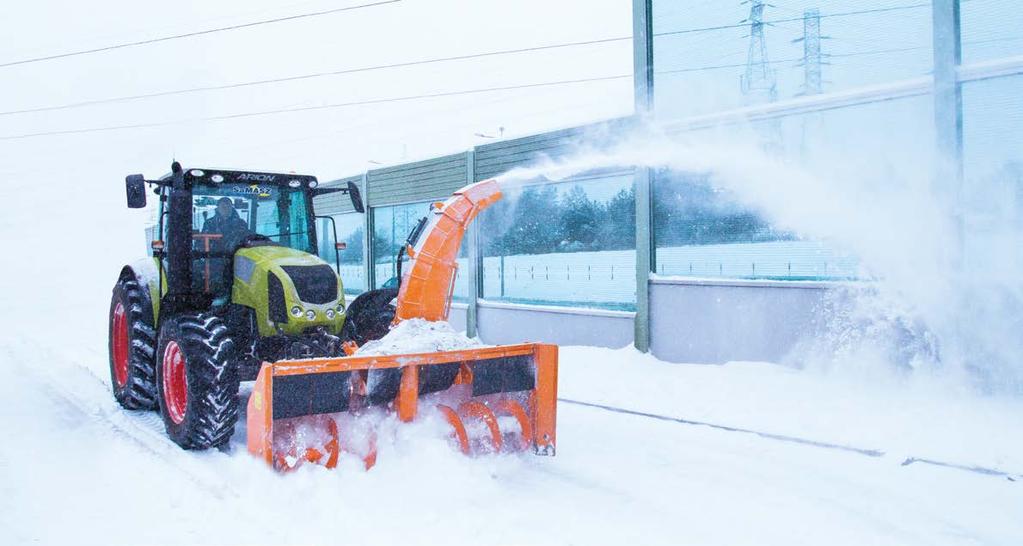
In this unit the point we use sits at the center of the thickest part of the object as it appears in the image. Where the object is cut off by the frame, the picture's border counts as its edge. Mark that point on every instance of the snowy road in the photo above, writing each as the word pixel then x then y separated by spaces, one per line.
pixel 80 470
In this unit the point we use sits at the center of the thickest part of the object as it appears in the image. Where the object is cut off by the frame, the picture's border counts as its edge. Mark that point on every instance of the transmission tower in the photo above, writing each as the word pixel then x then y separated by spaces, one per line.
pixel 759 82
pixel 813 57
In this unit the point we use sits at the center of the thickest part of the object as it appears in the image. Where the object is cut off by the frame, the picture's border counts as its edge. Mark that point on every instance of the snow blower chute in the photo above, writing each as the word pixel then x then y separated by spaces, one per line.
pixel 493 398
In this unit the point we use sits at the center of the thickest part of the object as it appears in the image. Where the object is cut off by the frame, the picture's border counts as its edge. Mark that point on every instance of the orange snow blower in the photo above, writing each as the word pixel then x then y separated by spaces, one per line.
pixel 494 399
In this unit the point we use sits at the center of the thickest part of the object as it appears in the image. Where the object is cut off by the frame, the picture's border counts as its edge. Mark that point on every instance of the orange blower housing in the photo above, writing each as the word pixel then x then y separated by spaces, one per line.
pixel 494 399
pixel 427 285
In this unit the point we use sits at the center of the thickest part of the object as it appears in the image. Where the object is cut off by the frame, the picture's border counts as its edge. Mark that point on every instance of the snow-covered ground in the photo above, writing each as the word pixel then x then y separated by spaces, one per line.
pixel 77 469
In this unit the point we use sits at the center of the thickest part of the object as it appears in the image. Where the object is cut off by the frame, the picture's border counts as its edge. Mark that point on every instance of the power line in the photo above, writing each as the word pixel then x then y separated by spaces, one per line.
pixel 823 16
pixel 312 75
pixel 791 60
pixel 311 108
pixel 193 34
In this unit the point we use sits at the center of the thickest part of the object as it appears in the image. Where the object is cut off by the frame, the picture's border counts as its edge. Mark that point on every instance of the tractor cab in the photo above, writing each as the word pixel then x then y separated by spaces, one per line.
pixel 244 212
pixel 207 215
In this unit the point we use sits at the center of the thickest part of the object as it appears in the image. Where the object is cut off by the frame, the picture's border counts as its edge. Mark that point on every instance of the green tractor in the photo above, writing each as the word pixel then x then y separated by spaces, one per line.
pixel 235 279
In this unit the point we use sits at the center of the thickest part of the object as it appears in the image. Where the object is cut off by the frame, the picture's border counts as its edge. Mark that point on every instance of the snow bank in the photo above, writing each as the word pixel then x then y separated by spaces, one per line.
pixel 419 336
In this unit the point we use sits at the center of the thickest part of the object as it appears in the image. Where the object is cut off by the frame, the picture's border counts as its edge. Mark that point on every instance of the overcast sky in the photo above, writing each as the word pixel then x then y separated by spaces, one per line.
pixel 325 142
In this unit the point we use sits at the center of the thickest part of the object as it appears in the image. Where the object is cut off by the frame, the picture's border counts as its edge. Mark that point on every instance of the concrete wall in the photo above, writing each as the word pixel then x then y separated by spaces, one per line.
pixel 501 323
pixel 692 320
pixel 457 316
pixel 718 321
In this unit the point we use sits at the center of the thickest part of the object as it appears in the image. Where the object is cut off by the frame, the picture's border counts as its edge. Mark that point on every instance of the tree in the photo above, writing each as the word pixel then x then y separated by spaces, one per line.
pixel 535 226
pixel 353 247
pixel 579 219
pixel 617 230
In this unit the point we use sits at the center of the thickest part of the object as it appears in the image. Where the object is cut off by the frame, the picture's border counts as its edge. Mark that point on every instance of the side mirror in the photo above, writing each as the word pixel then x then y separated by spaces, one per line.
pixel 135 184
pixel 353 193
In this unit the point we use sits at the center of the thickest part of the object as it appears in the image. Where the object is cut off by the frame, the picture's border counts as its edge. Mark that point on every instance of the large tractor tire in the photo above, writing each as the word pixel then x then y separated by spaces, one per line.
pixel 369 316
pixel 131 344
pixel 197 381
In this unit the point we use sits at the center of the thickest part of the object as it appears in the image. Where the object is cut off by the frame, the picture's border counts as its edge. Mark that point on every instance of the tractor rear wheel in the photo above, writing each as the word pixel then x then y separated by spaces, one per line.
pixel 131 344
pixel 197 380
pixel 369 316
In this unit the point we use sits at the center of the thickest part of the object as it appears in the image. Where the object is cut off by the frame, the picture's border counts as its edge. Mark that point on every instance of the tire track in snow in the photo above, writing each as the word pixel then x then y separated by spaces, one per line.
pixel 143 429
pixel 874 453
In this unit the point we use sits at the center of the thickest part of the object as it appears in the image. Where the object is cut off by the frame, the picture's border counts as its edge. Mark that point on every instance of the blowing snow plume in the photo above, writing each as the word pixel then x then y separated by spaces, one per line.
pixel 945 297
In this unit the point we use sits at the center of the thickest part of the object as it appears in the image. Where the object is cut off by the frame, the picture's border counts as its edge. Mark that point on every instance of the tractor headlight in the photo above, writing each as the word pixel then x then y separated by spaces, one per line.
pixel 310 315
pixel 296 311
pixel 341 306
pixel 330 314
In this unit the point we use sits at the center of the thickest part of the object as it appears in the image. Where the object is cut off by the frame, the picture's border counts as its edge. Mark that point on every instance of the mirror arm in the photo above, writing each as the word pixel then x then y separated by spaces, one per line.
pixel 337 253
pixel 324 191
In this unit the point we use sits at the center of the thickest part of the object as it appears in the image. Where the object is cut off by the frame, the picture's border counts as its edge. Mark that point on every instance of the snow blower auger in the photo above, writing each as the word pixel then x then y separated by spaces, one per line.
pixel 493 398
pixel 235 290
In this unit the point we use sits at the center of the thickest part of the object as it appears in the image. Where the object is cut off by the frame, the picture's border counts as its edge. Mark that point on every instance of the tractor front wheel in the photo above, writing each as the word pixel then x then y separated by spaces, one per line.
pixel 197 381
pixel 131 342
pixel 369 316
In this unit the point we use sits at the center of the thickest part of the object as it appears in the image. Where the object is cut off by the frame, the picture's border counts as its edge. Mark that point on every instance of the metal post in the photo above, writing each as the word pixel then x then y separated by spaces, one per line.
pixel 643 80
pixel 474 258
pixel 367 242
pixel 643 56
pixel 948 112
pixel 645 257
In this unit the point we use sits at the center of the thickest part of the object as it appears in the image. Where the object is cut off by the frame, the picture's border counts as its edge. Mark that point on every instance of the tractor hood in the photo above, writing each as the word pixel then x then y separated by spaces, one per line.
pixel 290 290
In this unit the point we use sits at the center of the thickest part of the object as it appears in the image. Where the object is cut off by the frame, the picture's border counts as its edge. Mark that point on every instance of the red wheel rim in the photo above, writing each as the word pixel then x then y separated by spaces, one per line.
pixel 175 383
pixel 119 330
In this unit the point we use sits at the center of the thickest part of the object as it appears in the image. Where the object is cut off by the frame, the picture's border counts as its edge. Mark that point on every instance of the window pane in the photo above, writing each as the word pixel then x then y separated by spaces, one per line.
pixel 258 212
pixel 708 58
pixel 391 227
pixel 993 168
pixel 351 232
pixel 571 243
pixel 701 231
pixel 993 126
pixel 991 29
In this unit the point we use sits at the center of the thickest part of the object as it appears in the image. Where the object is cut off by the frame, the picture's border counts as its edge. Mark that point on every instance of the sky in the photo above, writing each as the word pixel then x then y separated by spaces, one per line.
pixel 328 143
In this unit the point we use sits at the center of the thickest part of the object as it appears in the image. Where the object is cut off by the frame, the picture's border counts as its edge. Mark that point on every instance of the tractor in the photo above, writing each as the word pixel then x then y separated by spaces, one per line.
pixel 235 290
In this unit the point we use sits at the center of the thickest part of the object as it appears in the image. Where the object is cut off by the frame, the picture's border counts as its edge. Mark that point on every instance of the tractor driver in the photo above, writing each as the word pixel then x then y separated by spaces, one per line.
pixel 227 223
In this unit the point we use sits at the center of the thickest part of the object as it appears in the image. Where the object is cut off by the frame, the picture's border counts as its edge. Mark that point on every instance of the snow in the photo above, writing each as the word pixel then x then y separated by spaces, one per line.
pixel 418 336
pixel 115 478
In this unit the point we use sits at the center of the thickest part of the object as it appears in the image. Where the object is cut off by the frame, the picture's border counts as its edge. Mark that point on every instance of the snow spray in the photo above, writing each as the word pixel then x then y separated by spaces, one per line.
pixel 944 297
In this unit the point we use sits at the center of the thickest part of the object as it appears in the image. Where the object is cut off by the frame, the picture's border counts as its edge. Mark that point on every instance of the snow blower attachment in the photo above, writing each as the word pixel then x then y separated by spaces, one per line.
pixel 494 399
